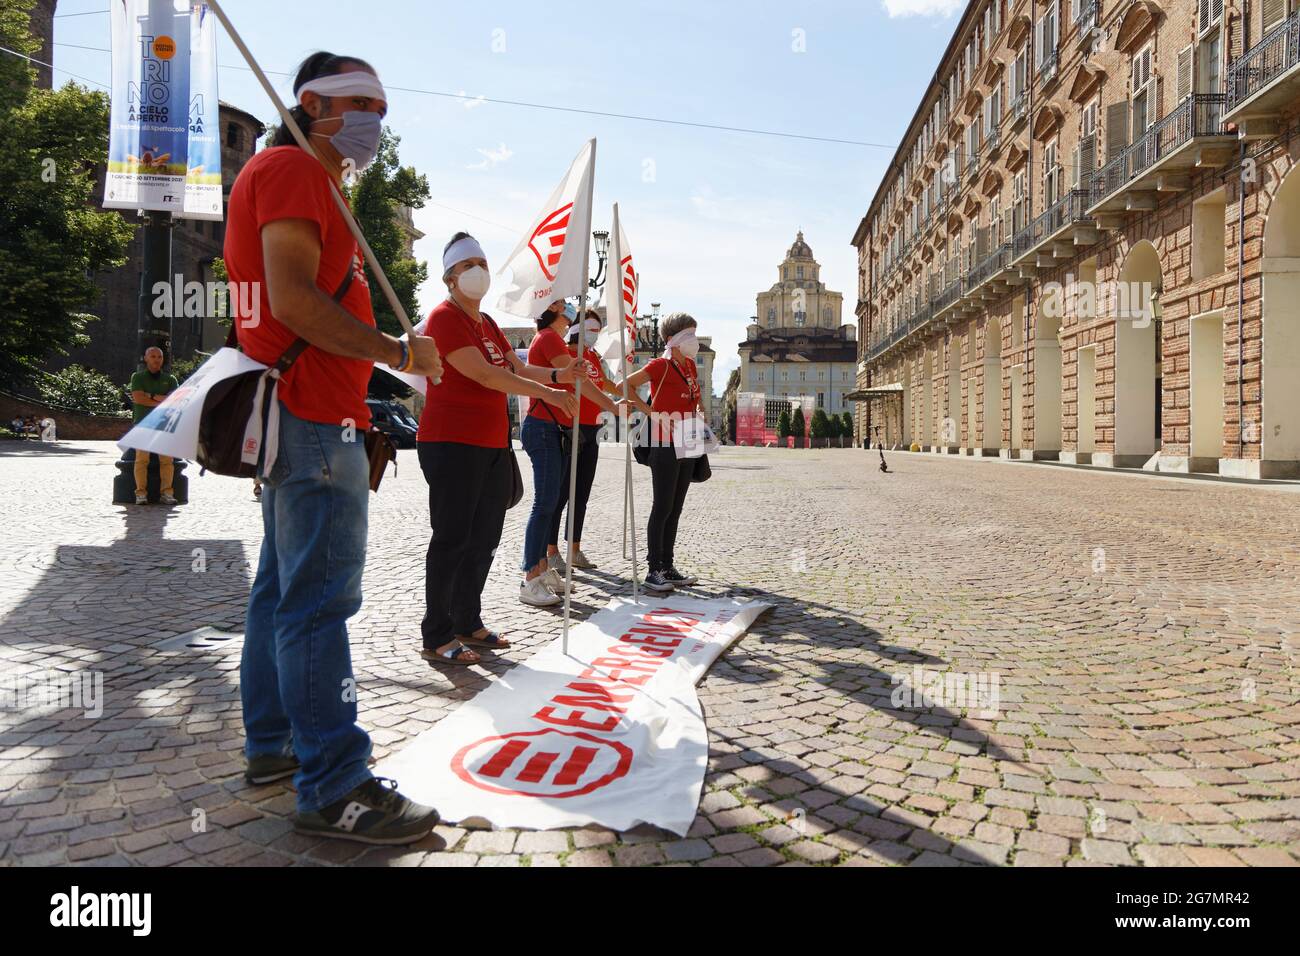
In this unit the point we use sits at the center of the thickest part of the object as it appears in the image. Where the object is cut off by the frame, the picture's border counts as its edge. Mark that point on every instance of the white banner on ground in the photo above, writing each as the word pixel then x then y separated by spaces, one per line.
pixel 173 427
pixel 609 734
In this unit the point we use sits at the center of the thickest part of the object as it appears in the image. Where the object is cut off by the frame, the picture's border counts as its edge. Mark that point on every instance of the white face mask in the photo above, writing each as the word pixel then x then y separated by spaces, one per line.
pixel 474 282
pixel 690 348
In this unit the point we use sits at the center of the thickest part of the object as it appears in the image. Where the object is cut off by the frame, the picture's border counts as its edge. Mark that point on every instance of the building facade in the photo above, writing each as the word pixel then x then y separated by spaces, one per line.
pixel 1087 247
pixel 42 28
pixel 796 344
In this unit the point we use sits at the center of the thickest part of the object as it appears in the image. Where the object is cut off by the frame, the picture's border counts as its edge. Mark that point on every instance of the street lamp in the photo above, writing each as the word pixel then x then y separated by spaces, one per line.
pixel 601 238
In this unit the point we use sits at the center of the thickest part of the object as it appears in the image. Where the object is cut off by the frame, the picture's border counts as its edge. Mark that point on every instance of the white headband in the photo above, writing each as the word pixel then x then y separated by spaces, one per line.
pixel 685 335
pixel 356 83
pixel 459 251
pixel 592 325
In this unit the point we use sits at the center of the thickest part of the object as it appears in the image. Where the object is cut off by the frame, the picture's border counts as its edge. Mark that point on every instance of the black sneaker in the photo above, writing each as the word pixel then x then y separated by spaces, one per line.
pixel 267 768
pixel 679 579
pixel 372 813
pixel 657 581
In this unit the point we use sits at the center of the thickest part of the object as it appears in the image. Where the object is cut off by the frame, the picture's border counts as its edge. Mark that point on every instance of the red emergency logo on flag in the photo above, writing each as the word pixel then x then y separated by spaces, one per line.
pixel 629 289
pixel 547 240
pixel 542 763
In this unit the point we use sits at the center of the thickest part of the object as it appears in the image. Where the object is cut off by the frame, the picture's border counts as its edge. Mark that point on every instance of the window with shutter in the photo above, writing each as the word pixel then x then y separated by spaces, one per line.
pixel 1184 74
pixel 1274 11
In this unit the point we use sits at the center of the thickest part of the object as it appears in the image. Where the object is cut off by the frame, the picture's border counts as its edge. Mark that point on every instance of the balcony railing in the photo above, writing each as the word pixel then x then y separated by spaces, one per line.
pixel 1277 52
pixel 1019 105
pixel 1068 210
pixel 991 140
pixel 989 266
pixel 1088 16
pixel 1199 114
pixel 1050 62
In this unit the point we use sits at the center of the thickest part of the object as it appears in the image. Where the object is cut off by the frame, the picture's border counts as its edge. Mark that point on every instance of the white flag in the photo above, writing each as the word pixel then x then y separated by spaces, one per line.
pixel 620 300
pixel 550 261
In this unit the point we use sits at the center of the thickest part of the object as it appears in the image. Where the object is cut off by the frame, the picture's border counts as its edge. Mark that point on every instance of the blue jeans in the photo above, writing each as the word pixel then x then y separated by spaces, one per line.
pixel 541 439
pixel 296 682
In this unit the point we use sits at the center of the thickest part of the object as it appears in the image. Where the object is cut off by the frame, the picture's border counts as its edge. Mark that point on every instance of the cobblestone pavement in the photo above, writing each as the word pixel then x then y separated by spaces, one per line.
pixel 1138 628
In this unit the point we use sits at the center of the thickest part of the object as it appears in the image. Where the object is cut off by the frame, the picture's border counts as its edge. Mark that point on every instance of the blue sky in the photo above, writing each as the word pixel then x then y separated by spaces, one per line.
pixel 709 214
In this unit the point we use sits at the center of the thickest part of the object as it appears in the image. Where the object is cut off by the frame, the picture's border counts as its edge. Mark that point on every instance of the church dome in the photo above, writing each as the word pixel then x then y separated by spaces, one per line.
pixel 800 249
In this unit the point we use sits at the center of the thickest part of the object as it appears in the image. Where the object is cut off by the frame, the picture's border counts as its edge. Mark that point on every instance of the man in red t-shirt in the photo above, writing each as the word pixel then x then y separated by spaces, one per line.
pixel 297 277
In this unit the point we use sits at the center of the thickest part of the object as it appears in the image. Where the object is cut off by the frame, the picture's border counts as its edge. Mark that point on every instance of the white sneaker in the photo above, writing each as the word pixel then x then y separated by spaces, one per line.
pixel 535 593
pixel 554 580
pixel 555 562
pixel 167 499
pixel 142 499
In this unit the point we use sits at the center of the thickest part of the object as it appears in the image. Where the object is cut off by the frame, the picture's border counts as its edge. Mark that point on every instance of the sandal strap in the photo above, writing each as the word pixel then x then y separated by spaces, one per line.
pixel 455 653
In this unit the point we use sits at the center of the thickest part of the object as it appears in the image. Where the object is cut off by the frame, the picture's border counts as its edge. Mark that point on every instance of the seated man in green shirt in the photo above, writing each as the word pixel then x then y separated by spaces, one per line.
pixel 149 388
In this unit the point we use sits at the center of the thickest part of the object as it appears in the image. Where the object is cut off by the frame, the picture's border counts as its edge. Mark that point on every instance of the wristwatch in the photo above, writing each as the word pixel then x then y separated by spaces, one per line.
pixel 555 376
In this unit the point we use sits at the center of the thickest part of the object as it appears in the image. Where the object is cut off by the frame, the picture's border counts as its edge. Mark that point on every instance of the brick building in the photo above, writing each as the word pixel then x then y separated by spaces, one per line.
pixel 1087 247
pixel 195 244
pixel 42 28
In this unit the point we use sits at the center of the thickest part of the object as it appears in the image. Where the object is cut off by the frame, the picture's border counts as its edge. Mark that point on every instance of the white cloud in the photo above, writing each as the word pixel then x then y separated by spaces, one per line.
pixel 921 8
pixel 492 156
pixel 471 102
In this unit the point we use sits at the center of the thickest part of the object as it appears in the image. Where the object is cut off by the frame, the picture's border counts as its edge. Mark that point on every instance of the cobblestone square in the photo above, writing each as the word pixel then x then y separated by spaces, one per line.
pixel 1141 632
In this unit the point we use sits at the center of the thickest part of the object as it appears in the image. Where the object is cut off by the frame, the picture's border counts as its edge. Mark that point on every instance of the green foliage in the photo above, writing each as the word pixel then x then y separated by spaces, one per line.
pixel 53 239
pixel 82 390
pixel 184 368
pixel 798 427
pixel 821 425
pixel 846 425
pixel 377 196
pixel 730 427
pixel 783 425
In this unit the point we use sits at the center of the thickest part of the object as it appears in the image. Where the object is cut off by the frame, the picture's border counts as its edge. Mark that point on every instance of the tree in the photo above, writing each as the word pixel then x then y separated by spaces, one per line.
pixel 783 425
pixel 797 425
pixel 833 426
pixel 52 238
pixel 820 426
pixel 378 196
pixel 846 426
pixel 82 390
pixel 730 427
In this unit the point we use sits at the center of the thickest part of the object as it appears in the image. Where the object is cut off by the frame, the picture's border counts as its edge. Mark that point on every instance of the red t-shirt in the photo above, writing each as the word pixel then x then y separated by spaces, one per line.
pixel 589 414
pixel 286 183
pixel 460 409
pixel 671 392
pixel 547 345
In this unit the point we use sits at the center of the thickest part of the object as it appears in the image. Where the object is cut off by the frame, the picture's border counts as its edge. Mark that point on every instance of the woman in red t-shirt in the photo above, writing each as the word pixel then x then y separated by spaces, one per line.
pixel 465 453
pixel 594 401
pixel 545 432
pixel 674 395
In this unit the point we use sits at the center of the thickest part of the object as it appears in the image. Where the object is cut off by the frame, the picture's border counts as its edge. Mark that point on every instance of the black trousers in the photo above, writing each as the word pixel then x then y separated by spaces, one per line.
pixel 670 477
pixel 588 458
pixel 469 489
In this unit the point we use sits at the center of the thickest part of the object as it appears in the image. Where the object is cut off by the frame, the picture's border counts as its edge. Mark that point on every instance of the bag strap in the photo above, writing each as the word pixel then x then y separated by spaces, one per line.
pixel 300 344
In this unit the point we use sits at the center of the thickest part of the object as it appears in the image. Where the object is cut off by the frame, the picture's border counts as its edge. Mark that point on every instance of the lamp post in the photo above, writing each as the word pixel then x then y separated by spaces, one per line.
pixel 601 238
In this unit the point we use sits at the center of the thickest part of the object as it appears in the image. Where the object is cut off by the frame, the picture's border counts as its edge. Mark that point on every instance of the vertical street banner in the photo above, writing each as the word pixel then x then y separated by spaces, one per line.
pixel 751 428
pixel 164 149
pixel 550 261
pixel 203 195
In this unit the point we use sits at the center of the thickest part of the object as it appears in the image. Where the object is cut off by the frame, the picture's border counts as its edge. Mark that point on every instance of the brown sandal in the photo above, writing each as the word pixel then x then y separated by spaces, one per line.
pixel 452 656
pixel 492 640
